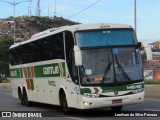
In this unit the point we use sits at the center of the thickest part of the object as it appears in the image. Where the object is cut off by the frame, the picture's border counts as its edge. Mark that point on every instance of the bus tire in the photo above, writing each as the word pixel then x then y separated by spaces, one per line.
pixel 19 94
pixel 25 99
pixel 22 100
pixel 117 108
pixel 64 104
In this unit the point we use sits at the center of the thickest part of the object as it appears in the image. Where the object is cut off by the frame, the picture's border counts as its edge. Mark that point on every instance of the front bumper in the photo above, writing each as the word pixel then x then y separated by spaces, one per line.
pixel 101 102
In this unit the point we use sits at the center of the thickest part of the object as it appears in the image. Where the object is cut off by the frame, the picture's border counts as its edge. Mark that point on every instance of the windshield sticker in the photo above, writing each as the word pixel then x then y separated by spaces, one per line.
pixel 115 51
pixel 98 79
pixel 88 72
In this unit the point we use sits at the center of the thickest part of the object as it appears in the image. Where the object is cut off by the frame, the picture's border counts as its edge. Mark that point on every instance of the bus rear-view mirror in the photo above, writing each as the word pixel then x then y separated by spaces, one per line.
pixel 77 55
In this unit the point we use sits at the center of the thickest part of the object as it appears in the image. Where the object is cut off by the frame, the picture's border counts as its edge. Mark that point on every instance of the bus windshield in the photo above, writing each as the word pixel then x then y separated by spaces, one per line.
pixel 105 37
pixel 109 65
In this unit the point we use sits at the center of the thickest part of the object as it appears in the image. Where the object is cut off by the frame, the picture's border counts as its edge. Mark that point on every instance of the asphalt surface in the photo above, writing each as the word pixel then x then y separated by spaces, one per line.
pixel 10 104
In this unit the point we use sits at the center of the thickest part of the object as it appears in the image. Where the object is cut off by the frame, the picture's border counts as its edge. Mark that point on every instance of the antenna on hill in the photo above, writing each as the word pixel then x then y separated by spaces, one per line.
pixel 38 9
pixel 55 11
pixel 30 7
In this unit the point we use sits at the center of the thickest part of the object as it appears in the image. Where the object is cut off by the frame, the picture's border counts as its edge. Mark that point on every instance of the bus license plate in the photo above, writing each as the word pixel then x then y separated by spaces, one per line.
pixel 116 101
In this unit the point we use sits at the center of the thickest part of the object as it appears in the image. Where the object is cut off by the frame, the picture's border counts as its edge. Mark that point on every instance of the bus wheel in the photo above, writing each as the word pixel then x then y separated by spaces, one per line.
pixel 25 99
pixel 64 104
pixel 22 100
pixel 19 94
pixel 116 108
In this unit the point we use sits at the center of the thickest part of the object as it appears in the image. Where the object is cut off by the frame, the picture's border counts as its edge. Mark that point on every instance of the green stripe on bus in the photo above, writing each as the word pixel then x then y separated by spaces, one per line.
pixel 85 90
pixel 49 70
pixel 64 69
pixel 115 88
pixel 16 73
pixel 28 72
pixel 32 84
pixel 21 72
pixel 123 88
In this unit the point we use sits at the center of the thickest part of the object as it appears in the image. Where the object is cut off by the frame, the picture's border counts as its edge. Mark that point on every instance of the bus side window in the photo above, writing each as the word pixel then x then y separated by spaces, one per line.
pixel 12 55
pixel 45 49
pixel 19 55
pixel 56 46
pixel 59 47
pixel 69 43
pixel 26 53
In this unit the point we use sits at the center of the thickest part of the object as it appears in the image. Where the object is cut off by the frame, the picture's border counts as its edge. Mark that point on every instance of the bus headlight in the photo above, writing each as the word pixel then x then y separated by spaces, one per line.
pixel 87 103
pixel 90 95
pixel 137 91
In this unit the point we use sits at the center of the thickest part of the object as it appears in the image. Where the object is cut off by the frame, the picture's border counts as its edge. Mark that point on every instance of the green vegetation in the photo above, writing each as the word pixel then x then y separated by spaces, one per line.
pixel 6 81
pixel 44 23
pixel 5 43
pixel 151 81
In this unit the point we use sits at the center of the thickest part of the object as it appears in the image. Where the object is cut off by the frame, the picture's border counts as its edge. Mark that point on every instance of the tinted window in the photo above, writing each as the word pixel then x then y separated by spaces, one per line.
pixel 48 48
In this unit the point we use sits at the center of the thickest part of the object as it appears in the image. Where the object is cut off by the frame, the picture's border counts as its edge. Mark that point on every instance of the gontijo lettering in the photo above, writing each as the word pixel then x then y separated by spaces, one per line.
pixel 51 70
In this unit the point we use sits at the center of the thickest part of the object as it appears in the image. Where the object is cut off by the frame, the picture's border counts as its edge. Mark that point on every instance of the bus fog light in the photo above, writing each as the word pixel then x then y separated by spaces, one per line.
pixel 87 103
pixel 141 98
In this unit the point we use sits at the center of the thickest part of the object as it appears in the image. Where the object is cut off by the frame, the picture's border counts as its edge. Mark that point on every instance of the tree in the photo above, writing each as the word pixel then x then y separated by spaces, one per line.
pixel 5 43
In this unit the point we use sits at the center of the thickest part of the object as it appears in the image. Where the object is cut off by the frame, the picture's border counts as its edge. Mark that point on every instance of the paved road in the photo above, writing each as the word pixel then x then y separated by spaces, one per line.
pixel 8 103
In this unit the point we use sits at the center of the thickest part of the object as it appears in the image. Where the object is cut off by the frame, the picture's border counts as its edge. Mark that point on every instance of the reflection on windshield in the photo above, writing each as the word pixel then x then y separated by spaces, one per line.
pixel 104 65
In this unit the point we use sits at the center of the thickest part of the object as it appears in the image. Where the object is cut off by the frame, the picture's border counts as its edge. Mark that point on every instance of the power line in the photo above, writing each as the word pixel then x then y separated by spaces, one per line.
pixel 84 9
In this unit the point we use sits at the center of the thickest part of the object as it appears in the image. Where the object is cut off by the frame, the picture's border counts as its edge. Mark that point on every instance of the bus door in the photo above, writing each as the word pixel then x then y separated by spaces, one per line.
pixel 72 74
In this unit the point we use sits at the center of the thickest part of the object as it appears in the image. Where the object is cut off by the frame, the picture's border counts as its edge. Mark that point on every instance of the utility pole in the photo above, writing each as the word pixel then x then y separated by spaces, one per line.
pixel 14 5
pixel 30 7
pixel 55 9
pixel 135 16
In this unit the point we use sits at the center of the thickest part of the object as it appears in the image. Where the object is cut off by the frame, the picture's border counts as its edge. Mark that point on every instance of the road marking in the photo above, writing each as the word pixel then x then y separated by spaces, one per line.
pixel 75 118
pixel 156 100
pixel 151 110
pixel 152 99
pixel 5 89
pixel 8 93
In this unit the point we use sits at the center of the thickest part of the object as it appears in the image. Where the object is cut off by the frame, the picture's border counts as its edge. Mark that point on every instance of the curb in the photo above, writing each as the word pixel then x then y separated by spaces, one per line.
pixel 5 85
pixel 152 91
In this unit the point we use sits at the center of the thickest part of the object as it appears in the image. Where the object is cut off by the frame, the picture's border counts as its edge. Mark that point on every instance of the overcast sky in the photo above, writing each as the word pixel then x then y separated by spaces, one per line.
pixel 104 11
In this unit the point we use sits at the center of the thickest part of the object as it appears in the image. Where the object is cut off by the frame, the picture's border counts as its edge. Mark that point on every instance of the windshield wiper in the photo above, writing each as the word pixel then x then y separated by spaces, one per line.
pixel 125 75
pixel 106 70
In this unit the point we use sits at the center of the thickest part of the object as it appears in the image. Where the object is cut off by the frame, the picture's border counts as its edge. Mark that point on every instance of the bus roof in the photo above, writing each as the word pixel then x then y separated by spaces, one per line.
pixel 72 28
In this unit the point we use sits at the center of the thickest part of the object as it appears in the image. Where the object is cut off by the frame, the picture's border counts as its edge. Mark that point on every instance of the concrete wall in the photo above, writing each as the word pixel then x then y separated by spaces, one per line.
pixel 152 91
pixel 5 85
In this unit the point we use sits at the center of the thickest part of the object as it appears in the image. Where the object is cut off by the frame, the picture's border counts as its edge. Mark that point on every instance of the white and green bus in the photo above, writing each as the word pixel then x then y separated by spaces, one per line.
pixel 83 66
